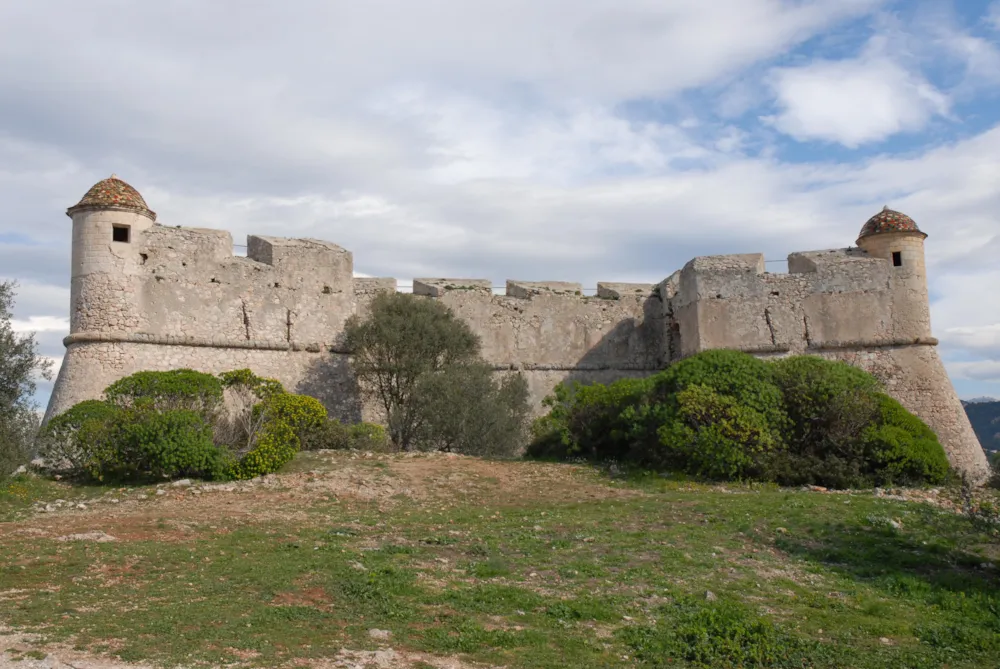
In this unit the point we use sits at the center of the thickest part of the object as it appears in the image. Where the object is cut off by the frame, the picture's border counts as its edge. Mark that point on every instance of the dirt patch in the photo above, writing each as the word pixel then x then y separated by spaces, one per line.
pixel 23 651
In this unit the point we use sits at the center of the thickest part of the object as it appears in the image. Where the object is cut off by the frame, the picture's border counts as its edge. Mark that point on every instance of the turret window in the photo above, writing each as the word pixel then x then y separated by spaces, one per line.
pixel 119 233
pixel 897 258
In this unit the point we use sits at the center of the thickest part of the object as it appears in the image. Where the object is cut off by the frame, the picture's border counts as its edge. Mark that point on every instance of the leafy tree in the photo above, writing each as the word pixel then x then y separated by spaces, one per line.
pixel 467 409
pixel 19 363
pixel 404 338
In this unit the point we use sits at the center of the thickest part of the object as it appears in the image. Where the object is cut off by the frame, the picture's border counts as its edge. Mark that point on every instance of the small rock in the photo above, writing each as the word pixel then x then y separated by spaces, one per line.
pixel 379 634
pixel 886 641
pixel 895 524
pixel 98 536
pixel 817 488
pixel 710 596
pixel 48 508
pixel 183 483
pixel 161 492
pixel 358 566
pixel 115 501
pixel 537 528
pixel 519 612
pixel 781 530
pixel 21 470
pixel 82 507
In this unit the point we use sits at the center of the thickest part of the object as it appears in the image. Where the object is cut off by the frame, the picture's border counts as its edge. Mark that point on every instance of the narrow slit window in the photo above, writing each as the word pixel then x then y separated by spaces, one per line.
pixel 897 258
pixel 119 233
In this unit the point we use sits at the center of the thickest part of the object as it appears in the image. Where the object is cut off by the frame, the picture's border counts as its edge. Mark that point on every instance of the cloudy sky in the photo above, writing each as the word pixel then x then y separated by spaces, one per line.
pixel 531 139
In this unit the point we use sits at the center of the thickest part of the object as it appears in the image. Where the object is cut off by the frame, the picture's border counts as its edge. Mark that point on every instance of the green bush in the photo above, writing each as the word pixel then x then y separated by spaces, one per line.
pixel 164 391
pixel 369 437
pixel 828 402
pixel 276 447
pixel 80 436
pixel 300 412
pixel 151 445
pixel 725 414
pixel 746 379
pixel 244 380
pixel 593 421
pixel 468 408
pixel 712 435
pixel 905 451
pixel 330 434
pixel 238 427
pixel 286 422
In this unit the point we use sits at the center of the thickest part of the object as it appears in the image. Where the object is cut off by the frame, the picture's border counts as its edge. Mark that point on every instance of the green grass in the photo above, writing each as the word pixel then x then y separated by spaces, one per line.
pixel 798 579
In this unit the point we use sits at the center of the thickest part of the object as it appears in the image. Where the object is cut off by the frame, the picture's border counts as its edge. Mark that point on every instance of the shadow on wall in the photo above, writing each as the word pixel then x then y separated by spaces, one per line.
pixel 633 348
pixel 329 379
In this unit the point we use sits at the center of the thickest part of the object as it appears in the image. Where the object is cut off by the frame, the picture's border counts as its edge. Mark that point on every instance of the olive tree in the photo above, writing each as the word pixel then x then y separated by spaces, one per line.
pixel 20 363
pixel 404 338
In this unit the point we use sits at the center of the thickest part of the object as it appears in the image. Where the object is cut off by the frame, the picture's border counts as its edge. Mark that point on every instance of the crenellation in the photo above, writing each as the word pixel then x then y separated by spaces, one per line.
pixel 530 289
pixel 438 287
pixel 615 291
pixel 177 297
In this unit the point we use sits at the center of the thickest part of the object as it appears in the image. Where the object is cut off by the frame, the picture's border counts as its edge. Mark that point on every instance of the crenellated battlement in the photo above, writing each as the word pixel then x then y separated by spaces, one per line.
pixel 150 296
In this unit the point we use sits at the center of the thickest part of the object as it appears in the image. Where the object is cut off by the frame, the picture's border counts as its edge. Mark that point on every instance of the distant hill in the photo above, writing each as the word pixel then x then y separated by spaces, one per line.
pixel 985 419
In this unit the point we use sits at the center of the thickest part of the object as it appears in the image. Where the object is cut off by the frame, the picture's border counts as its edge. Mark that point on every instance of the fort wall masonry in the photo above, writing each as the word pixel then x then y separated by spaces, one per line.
pixel 172 297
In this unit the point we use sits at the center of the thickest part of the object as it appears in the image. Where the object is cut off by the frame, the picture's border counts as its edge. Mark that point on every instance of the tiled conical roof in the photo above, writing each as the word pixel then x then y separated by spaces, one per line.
pixel 888 220
pixel 112 193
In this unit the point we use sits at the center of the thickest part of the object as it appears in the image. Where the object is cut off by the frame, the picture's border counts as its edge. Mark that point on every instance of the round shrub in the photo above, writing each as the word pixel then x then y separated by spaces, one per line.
pixel 368 437
pixel 330 434
pixel 828 402
pixel 594 421
pixel 299 412
pixel 70 440
pixel 276 447
pixel 158 445
pixel 712 435
pixel 245 380
pixel 744 378
pixel 163 391
pixel 903 449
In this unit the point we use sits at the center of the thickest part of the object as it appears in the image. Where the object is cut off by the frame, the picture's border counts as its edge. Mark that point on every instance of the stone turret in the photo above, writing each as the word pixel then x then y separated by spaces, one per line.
pixel 895 237
pixel 107 224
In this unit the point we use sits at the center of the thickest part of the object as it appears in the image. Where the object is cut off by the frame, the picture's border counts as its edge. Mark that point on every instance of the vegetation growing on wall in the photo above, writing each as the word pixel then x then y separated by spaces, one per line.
pixel 727 415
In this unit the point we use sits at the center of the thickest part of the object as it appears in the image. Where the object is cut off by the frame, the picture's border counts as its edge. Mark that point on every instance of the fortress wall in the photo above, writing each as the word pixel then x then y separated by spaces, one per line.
pixel 827 297
pixel 177 297
pixel 365 290
pixel 284 290
pixel 550 326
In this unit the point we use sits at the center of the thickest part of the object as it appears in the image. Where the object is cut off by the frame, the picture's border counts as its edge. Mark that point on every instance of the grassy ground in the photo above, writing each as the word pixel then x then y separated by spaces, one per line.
pixel 469 562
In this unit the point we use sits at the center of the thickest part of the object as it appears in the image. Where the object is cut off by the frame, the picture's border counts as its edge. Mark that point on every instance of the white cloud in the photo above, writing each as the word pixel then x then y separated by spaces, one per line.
pixel 487 139
pixel 980 370
pixel 854 101
pixel 40 324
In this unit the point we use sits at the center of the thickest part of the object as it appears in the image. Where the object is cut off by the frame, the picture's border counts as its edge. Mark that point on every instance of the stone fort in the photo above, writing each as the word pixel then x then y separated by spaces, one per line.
pixel 147 296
